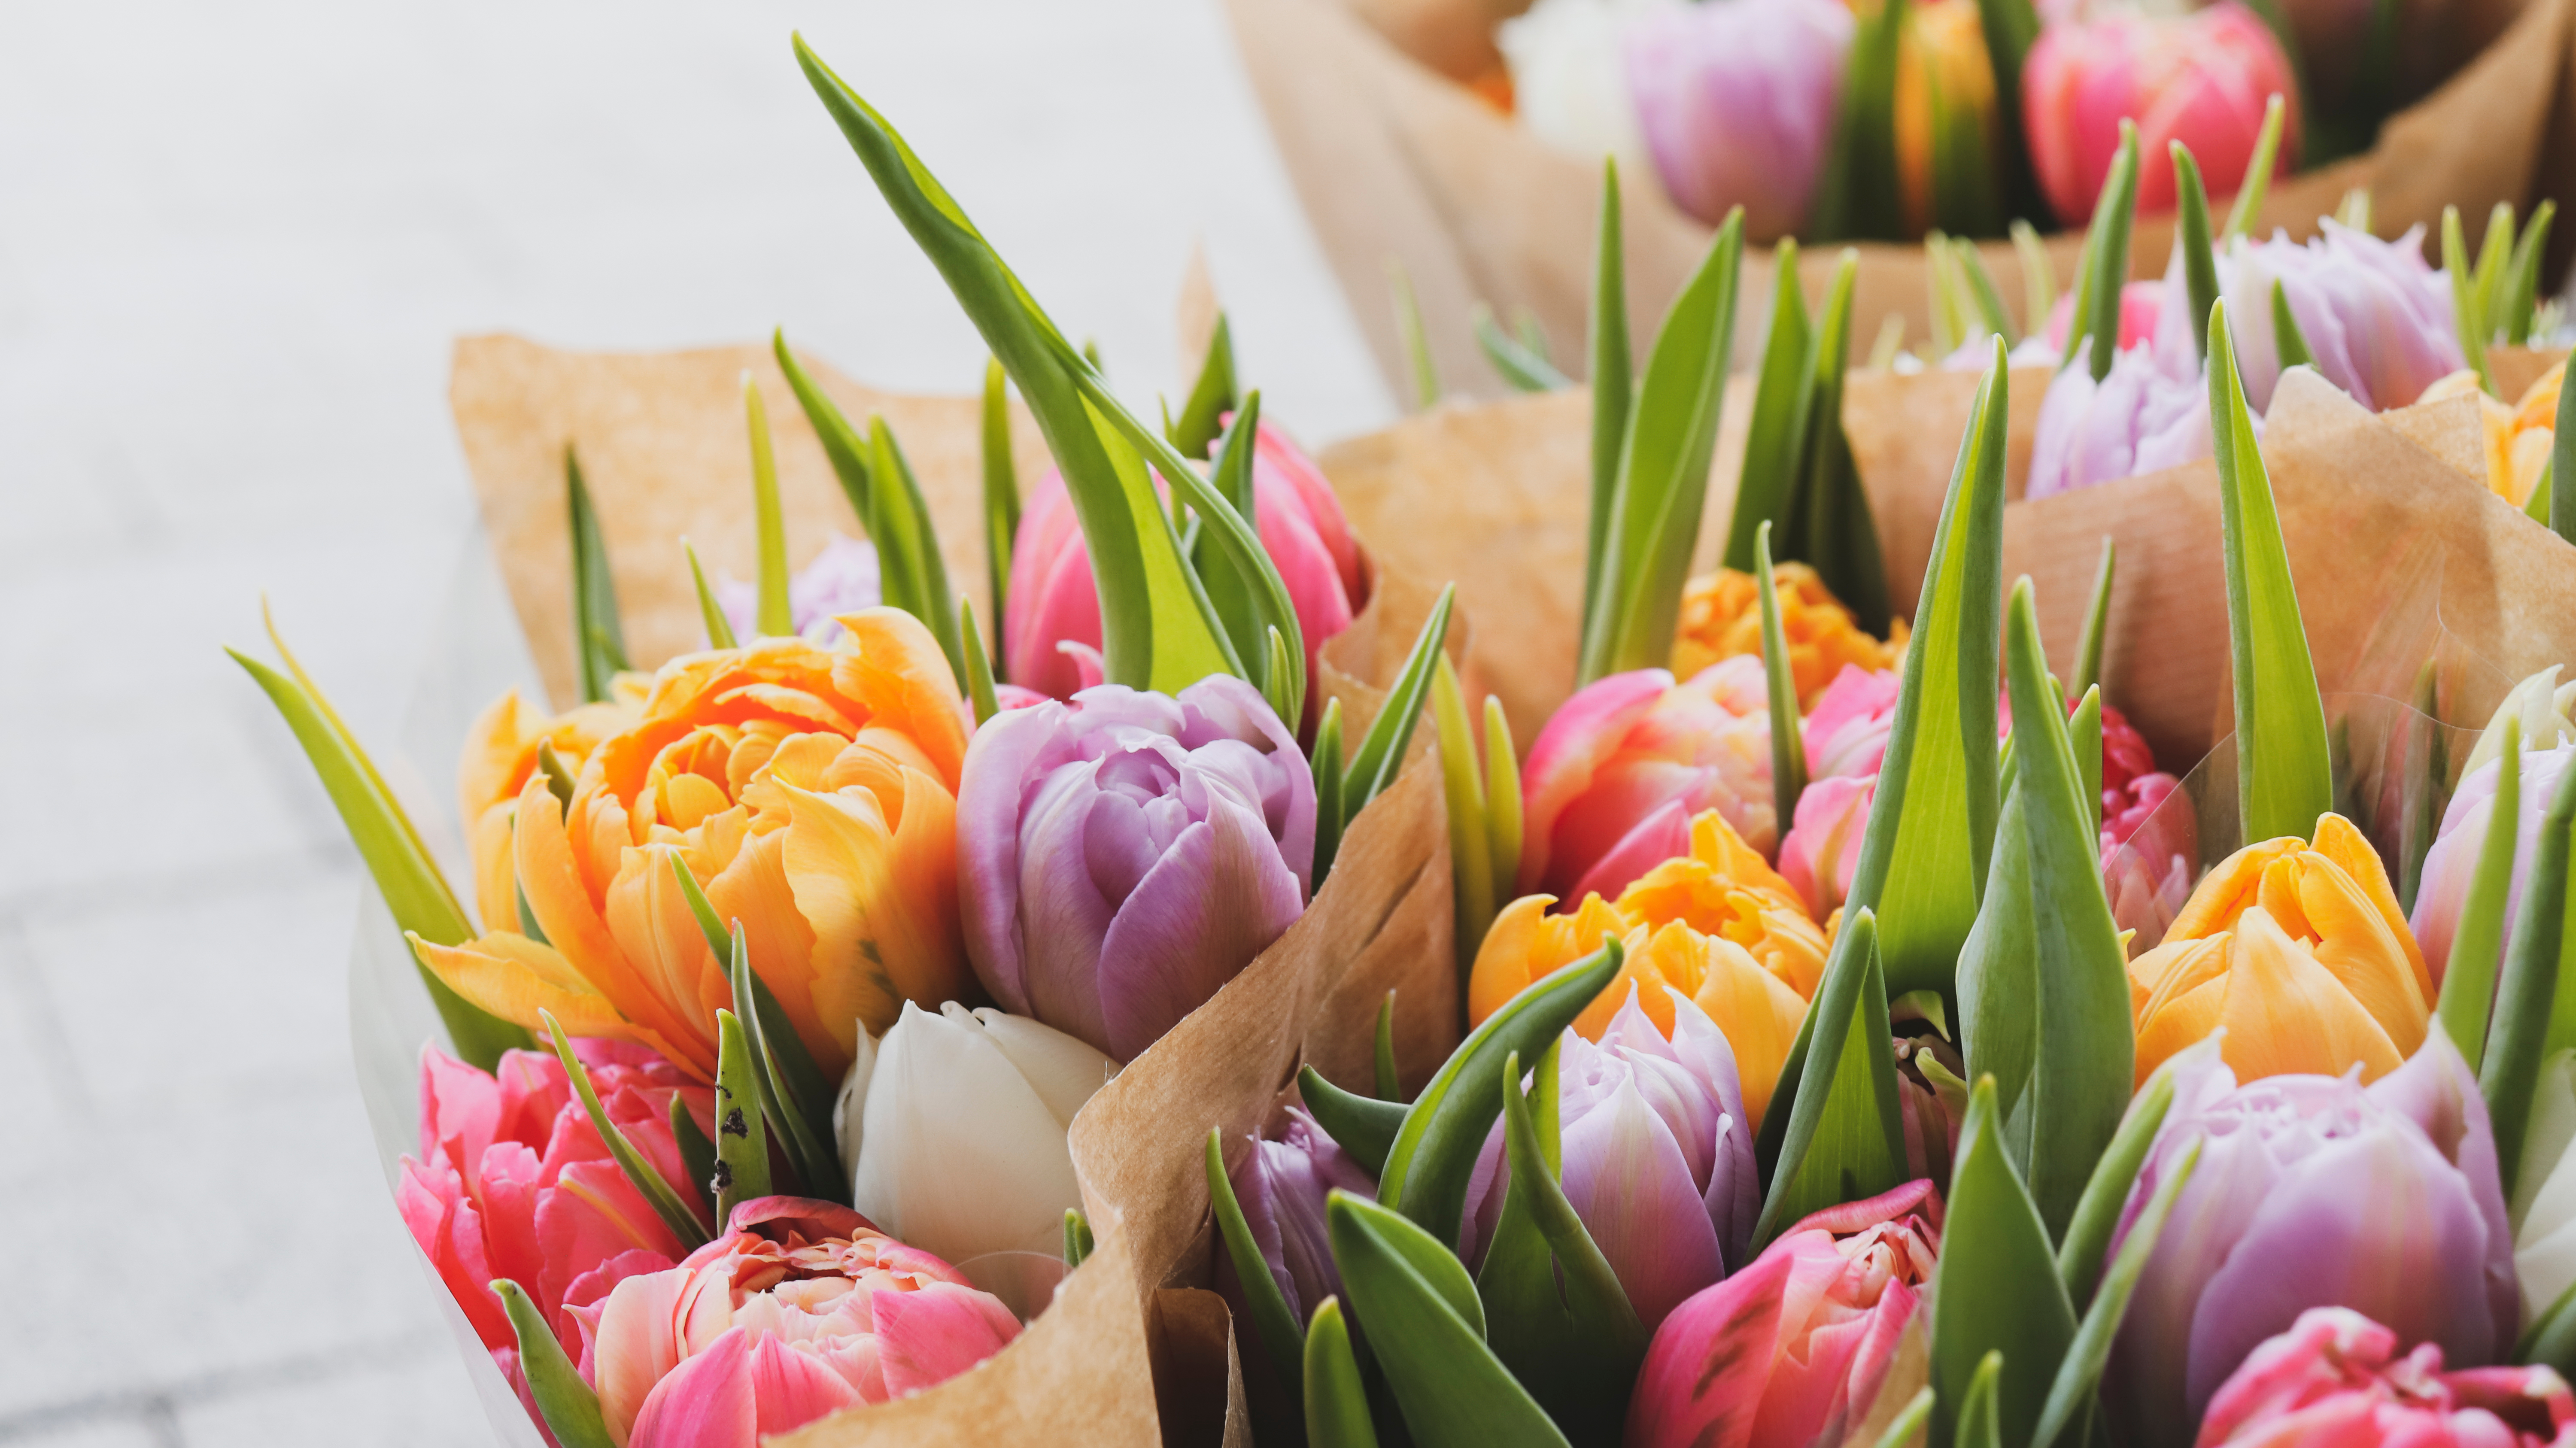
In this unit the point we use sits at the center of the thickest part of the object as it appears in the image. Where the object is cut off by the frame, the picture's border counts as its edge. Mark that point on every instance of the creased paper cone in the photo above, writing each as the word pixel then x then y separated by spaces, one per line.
pixel 1398 162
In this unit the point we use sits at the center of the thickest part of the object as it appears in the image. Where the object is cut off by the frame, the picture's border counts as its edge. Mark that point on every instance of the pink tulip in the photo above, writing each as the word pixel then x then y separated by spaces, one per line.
pixel 1823 843
pixel 1619 769
pixel 2149 413
pixel 2202 79
pixel 1053 616
pixel 2334 1379
pixel 1736 102
pixel 1794 1349
pixel 2142 311
pixel 1846 730
pixel 800 1310
pixel 512 1182
pixel 2376 317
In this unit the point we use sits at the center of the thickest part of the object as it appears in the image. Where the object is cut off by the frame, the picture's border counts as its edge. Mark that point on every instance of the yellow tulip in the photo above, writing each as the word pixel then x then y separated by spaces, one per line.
pixel 810 792
pixel 2299 950
pixel 1721 618
pixel 1717 926
pixel 2518 437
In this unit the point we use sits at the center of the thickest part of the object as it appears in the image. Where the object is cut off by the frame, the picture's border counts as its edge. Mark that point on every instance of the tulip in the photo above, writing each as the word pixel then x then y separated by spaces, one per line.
pixel 1053 603
pixel 802 1309
pixel 2300 951
pixel 499 758
pixel 1796 1348
pixel 2140 418
pixel 1569 79
pixel 1657 1157
pixel 810 793
pixel 2544 1203
pixel 843 578
pixel 2311 1191
pixel 2519 437
pixel 2453 859
pixel 1282 1185
pixel 512 1181
pixel 1122 856
pixel 953 1127
pixel 1942 54
pixel 1715 927
pixel 2202 78
pixel 2334 1377
pixel 1846 737
pixel 1736 101
pixel 2142 318
pixel 1721 618
pixel 1629 759
pixel 1846 727
pixel 2374 316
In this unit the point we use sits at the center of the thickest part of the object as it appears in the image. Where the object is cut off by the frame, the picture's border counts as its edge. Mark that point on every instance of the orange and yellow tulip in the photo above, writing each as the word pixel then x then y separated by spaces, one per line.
pixel 2299 950
pixel 2519 436
pixel 1721 618
pixel 1717 926
pixel 810 792
pixel 501 756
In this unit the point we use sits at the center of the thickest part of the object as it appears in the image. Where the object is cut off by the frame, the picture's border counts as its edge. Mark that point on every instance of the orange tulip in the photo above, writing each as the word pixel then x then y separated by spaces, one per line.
pixel 2300 951
pixel 500 756
pixel 2519 436
pixel 1717 926
pixel 811 793
pixel 1722 618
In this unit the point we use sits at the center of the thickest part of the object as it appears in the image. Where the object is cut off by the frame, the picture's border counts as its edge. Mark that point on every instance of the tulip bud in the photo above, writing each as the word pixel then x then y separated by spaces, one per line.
pixel 2334 1377
pixel 2201 78
pixel 1122 856
pixel 2376 318
pixel 954 1124
pixel 1796 1348
pixel 842 579
pixel 2311 1191
pixel 2453 860
pixel 1736 101
pixel 1721 618
pixel 1282 1187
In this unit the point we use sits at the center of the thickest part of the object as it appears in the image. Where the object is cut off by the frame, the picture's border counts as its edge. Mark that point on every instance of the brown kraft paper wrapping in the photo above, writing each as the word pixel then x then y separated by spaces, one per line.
pixel 1397 161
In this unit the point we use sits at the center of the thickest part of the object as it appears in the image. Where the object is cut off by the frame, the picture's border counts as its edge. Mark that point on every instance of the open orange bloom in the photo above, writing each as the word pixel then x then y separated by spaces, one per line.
pixel 501 755
pixel 2518 437
pixel 1716 925
pixel 810 792
pixel 2300 951
pixel 1722 618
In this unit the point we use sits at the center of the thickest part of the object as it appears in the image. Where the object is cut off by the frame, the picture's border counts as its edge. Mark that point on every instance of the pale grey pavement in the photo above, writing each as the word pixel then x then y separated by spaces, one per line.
pixel 235 241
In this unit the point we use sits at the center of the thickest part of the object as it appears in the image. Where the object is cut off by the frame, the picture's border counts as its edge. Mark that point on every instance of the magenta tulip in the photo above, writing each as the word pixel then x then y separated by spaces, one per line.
pixel 1121 856
pixel 1795 1349
pixel 2202 79
pixel 1736 102
pixel 2312 1191
pixel 2335 1379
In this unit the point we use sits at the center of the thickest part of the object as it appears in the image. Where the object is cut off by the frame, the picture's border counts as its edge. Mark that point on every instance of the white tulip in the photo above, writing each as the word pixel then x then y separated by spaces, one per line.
pixel 2544 1208
pixel 954 1128
pixel 2542 704
pixel 1570 82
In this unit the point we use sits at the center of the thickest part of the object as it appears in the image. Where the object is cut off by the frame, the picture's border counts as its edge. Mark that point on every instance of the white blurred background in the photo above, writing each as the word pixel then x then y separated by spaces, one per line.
pixel 235 244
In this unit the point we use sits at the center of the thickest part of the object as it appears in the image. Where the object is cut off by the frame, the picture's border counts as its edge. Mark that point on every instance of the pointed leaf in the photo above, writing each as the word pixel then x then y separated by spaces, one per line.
pixel 2084 732
pixel 599 634
pixel 1361 1125
pixel 908 535
pixel 2011 28
pixel 1788 750
pixel 742 1132
pixel 2106 248
pixel 1415 338
pixel 1001 503
pixel 2258 175
pixel 1078 1241
pixel 980 689
pixel 2562 459
pixel 719 628
pixel 1978 1425
pixel 697 1154
pixel 2469 981
pixel 1336 1399
pixel 2523 1032
pixel 771 618
pixel 2199 266
pixel 2038 277
pixel 1857 200
pixel 1237 610
pixel 1987 298
pixel 1327 763
pixel 665 1200
pixel 1845 1138
pixel 795 1094
pixel 2079 1373
pixel 569 1407
pixel 1613 391
pixel 1776 438
pixel 2287 339
pixel 1521 369
pixel 1211 396
pixel 1273 1324
pixel 1909 1420
pixel 1471 867
pixel 1996 1288
pixel 1830 527
pixel 1389 1086
pixel 2097 621
pixel 2097 1215
pixel 2495 256
pixel 1380 757
pixel 2469 323
pixel 1502 798
pixel 2522 287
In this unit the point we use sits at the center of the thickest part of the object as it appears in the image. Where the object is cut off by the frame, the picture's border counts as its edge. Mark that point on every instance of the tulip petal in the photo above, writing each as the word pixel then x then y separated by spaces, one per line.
pixel 1215 900
pixel 879 901
pixel 1006 751
pixel 2436 1090
pixel 1663 834
pixel 790 1389
pixel 2286 1014
pixel 514 977
pixel 1705 1373
pixel 707 1401
pixel 1581 736
pixel 1061 1070
pixel 1627 1180
pixel 925 1338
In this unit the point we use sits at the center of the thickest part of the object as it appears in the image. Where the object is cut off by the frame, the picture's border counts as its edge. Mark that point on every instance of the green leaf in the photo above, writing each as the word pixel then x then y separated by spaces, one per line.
pixel 2011 28
pixel 1830 527
pixel 772 618
pixel 1978 1417
pixel 660 1195
pixel 2084 732
pixel 980 689
pixel 1996 1288
pixel 1941 278
pixel 1613 390
pixel 2354 209
pixel 2287 340
pixel 2469 322
pixel 1845 1138
pixel 2495 256
pixel 2106 258
pixel 1327 763
pixel 1858 198
pixel 1415 338
pixel 1909 1420
pixel 697 1154
pixel 1380 757
pixel 1336 1399
pixel 742 1133
pixel 2258 175
pixel 1237 610
pixel 1982 292
pixel 1390 1086
pixel 1273 1324
pixel 2550 1341
pixel 559 780
pixel 1361 1125
pixel 2038 277
pixel 2539 505
pixel 1663 471
pixel 2522 285
pixel 2097 620
pixel 1521 369
pixel 1775 441
pixel 1531 335
pixel 2097 1215
pixel 1471 865
pixel 2524 1029
pixel 2199 265
pixel 719 628
pixel 2079 1373
pixel 1211 396
pixel 1788 750
pixel 2469 982
pixel 2562 459
pixel 1502 799
pixel 1427 1331
pixel 908 557
pixel 1001 504
pixel 1434 1151
pixel 569 1407
pixel 397 859
pixel 795 1094
pixel 2284 771
pixel 1078 1241
pixel 1965 196
pixel 598 634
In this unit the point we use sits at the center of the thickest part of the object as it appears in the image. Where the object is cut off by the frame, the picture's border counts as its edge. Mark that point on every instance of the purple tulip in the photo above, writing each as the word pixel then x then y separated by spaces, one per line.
pixel 2151 412
pixel 1282 1186
pixel 1120 856
pixel 841 579
pixel 2453 860
pixel 1657 1159
pixel 2374 315
pixel 2313 1191
pixel 1736 100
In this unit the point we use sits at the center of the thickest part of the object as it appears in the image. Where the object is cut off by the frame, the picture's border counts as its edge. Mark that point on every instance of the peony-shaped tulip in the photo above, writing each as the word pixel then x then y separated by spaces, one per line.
pixel 500 757
pixel 1714 926
pixel 1657 1157
pixel 802 1309
pixel 1736 102
pixel 2375 317
pixel 1794 1350
pixel 2143 416
pixel 953 1128
pixel 2335 1377
pixel 2300 952
pixel 2201 78
pixel 811 795
pixel 1052 620
pixel 1123 855
pixel 1721 618
pixel 1629 759
pixel 2453 860
pixel 2311 1191
pixel 843 578
pixel 1282 1185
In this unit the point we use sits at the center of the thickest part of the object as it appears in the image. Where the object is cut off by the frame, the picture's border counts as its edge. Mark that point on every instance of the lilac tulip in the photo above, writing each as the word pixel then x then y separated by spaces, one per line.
pixel 2453 860
pixel 2375 316
pixel 1122 855
pixel 1282 1186
pixel 2312 1191
pixel 2150 412
pixel 1736 99
pixel 1658 1161
pixel 841 579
